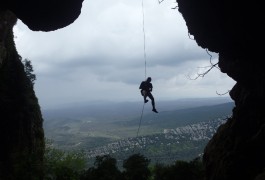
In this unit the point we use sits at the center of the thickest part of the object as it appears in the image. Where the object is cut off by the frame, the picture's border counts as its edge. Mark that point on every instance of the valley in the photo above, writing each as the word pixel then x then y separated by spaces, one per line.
pixel 177 133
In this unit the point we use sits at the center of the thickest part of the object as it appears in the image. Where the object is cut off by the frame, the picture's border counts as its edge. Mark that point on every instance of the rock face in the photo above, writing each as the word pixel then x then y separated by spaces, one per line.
pixel 44 15
pixel 235 31
pixel 21 130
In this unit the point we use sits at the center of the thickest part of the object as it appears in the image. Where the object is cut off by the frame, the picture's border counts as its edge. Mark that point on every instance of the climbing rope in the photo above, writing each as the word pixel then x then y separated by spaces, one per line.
pixel 144 39
pixel 141 117
pixel 140 122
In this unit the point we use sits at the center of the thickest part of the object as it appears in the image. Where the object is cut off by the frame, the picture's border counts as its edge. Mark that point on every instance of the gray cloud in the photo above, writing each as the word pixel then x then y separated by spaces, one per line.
pixel 101 55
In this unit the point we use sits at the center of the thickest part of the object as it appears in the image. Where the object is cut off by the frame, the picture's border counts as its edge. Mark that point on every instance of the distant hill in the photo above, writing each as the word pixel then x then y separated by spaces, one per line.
pixel 181 143
pixel 104 123
pixel 180 130
pixel 182 117
pixel 116 111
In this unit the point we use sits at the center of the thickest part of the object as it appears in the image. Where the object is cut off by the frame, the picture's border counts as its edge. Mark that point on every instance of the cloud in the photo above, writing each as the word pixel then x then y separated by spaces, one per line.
pixel 101 55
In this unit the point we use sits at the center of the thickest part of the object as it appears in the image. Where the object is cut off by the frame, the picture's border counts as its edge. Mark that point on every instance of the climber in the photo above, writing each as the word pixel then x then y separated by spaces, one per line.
pixel 146 89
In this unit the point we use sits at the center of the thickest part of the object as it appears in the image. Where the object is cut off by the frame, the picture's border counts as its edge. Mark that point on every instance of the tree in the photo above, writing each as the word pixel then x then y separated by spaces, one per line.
pixel 62 165
pixel 29 71
pixel 136 167
pixel 181 170
pixel 105 168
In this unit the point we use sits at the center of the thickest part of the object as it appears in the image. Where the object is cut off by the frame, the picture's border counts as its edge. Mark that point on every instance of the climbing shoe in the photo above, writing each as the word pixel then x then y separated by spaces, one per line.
pixel 155 110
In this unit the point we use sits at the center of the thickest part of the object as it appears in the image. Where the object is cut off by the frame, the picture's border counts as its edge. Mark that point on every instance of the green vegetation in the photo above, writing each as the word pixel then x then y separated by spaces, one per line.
pixel 181 170
pixel 60 164
pixel 29 71
pixel 67 132
pixel 72 166
pixel 105 168
pixel 181 143
pixel 136 167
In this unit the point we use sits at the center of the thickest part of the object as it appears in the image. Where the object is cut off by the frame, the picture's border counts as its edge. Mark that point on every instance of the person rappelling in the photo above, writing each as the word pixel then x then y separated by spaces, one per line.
pixel 146 89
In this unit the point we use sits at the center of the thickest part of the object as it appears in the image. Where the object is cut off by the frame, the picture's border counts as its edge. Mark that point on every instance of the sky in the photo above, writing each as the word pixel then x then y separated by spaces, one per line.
pixel 101 55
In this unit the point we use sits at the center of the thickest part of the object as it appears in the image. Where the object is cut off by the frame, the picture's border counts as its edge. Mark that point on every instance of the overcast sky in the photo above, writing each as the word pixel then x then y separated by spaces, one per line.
pixel 101 55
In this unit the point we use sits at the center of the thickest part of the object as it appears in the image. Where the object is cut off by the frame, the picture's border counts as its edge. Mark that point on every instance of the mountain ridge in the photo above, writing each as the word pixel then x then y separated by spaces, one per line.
pixel 112 110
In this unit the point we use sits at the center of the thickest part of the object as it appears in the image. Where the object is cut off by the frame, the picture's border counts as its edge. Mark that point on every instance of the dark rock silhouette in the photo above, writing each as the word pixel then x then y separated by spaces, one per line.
pixel 234 30
pixel 21 132
pixel 21 122
pixel 44 15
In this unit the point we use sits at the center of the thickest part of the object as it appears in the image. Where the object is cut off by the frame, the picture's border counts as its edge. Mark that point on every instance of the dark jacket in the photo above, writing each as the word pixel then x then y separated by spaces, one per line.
pixel 147 86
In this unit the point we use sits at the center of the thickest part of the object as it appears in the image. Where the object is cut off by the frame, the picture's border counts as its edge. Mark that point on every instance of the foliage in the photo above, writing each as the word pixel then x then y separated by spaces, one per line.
pixel 136 167
pixel 71 166
pixel 181 170
pixel 105 169
pixel 62 165
pixel 29 71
